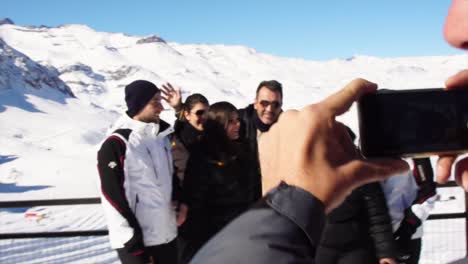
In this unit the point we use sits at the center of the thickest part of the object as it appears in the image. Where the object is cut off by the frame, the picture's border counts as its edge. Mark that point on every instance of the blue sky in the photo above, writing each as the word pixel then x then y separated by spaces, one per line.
pixel 316 30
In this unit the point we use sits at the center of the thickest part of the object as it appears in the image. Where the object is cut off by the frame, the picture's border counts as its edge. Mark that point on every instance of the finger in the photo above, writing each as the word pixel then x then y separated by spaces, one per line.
pixel 165 98
pixel 366 171
pixel 341 101
pixel 165 92
pixel 461 173
pixel 444 168
pixel 458 81
pixel 170 87
pixel 166 86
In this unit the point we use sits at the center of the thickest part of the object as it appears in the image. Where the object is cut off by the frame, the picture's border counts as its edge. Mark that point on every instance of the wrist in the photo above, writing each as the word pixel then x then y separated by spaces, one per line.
pixel 319 189
pixel 178 106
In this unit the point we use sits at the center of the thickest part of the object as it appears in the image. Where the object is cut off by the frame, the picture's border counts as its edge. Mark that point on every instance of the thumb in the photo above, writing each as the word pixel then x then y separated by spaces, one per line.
pixel 341 101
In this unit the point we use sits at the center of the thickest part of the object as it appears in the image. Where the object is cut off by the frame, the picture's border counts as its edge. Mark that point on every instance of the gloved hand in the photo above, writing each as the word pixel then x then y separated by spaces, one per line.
pixel 414 216
pixel 136 247
pixel 424 202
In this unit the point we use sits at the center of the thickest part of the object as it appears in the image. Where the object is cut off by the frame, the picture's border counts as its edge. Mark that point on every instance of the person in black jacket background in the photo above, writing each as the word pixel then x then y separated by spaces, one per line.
pixel 216 178
pixel 312 154
pixel 326 159
pixel 256 119
pixel 188 130
pixel 359 230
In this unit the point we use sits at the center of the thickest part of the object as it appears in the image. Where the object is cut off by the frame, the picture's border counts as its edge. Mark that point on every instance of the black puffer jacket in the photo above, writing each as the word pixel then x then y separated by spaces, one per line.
pixel 248 131
pixel 216 192
pixel 186 133
pixel 361 224
pixel 248 134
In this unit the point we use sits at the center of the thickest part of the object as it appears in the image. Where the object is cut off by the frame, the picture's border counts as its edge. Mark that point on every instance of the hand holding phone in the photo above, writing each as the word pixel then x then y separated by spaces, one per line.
pixel 413 123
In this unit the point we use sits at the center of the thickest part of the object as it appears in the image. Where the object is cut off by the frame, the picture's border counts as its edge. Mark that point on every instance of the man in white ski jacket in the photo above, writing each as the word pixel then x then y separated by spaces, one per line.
pixel 136 176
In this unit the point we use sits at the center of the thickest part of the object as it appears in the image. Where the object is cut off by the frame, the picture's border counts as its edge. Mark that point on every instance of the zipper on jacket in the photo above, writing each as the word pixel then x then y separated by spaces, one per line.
pixel 168 158
pixel 152 165
pixel 136 203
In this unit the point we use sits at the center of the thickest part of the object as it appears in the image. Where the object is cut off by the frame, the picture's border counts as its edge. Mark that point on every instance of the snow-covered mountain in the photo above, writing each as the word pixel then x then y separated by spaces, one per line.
pixel 6 21
pixel 60 87
pixel 20 72
pixel 96 65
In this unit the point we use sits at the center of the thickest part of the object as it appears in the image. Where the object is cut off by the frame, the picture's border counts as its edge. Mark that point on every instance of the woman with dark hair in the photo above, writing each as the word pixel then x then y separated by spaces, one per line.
pixel 188 127
pixel 188 130
pixel 215 179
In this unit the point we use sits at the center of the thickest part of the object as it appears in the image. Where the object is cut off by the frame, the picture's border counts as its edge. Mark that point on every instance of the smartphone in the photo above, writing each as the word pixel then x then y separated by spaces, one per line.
pixel 413 123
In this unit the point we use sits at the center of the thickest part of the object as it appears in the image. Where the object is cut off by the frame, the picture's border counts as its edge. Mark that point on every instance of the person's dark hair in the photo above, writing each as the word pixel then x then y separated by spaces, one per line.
pixel 271 85
pixel 194 99
pixel 190 102
pixel 216 139
pixel 220 112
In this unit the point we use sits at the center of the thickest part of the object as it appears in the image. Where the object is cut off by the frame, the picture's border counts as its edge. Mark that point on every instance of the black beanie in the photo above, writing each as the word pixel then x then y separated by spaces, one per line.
pixel 138 94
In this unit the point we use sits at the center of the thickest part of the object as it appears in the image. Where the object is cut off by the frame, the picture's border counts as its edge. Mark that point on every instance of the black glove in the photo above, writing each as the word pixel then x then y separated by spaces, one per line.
pixel 408 227
pixel 404 233
pixel 136 247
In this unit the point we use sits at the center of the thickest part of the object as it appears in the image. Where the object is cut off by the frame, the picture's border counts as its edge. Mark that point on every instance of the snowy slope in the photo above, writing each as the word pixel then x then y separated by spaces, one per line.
pixel 19 71
pixel 60 88
pixel 43 125
pixel 97 65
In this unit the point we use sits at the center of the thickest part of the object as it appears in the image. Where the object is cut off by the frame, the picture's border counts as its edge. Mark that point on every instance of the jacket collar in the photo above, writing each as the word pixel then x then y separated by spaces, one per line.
pixel 164 128
pixel 258 124
pixel 161 129
pixel 186 133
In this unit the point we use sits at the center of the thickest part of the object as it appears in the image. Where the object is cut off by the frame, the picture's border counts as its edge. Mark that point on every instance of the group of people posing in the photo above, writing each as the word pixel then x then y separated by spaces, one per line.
pixel 166 190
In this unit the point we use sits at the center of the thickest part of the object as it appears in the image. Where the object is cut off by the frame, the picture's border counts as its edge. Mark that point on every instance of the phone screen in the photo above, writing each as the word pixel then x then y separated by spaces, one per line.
pixel 413 122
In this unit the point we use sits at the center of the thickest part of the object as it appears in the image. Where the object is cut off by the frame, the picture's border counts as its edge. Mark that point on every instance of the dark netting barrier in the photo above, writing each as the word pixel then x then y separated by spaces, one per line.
pixel 443 241
pixel 54 231
pixel 74 231
pixel 445 233
pixel 87 249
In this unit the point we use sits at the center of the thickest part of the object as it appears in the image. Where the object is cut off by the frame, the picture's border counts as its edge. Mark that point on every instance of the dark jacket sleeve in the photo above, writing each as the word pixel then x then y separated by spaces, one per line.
pixel 177 189
pixel 248 137
pixel 195 183
pixel 111 157
pixel 195 188
pixel 380 226
pixel 283 227
pixel 247 130
pixel 243 124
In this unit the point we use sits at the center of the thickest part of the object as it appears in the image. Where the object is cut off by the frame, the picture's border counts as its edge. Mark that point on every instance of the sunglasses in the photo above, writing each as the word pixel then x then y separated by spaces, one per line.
pixel 200 112
pixel 274 104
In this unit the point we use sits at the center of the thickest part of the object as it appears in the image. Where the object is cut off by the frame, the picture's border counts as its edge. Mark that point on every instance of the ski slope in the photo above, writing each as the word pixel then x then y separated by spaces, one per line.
pixel 49 137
